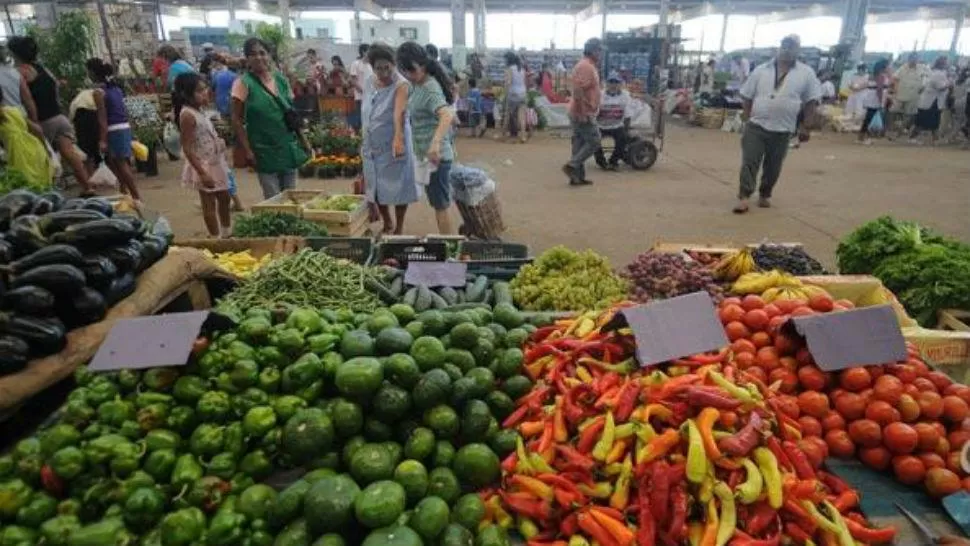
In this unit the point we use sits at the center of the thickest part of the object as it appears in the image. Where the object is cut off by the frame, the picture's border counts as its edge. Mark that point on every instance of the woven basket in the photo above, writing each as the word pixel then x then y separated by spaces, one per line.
pixel 709 118
pixel 484 220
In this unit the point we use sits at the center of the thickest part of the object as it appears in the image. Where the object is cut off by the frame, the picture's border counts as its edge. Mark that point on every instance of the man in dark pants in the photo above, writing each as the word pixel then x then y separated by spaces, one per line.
pixel 774 94
pixel 583 108
pixel 614 121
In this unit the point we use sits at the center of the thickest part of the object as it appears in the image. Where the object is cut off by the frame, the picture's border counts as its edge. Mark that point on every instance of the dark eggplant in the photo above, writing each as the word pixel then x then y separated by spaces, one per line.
pixel 136 246
pixel 6 251
pixel 14 353
pixel 124 257
pixel 25 234
pixel 86 307
pixel 97 233
pixel 41 207
pixel 45 336
pixel 56 199
pixel 158 246
pixel 62 219
pixel 14 204
pixel 75 203
pixel 59 279
pixel 136 223
pixel 99 271
pixel 49 255
pixel 120 289
pixel 99 204
pixel 29 300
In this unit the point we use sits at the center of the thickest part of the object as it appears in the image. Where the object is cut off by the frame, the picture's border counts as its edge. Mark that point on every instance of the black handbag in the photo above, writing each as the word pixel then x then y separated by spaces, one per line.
pixel 291 118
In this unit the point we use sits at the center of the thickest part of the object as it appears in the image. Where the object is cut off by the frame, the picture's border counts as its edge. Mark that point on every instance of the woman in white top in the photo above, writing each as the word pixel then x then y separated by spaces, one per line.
pixel 857 85
pixel 874 97
pixel 513 117
pixel 932 99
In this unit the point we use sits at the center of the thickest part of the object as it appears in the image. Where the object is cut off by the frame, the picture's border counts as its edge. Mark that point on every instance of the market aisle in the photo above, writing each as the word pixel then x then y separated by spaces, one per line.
pixel 827 188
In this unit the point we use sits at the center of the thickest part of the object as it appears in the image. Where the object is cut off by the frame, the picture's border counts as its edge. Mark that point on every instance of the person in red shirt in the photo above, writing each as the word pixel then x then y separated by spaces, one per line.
pixel 160 70
pixel 583 108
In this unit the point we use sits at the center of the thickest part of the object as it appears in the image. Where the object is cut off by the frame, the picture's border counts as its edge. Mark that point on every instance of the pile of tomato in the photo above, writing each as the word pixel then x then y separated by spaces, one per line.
pixel 899 416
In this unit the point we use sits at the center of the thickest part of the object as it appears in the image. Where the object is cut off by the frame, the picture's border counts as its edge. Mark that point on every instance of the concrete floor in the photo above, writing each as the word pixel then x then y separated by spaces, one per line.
pixel 828 187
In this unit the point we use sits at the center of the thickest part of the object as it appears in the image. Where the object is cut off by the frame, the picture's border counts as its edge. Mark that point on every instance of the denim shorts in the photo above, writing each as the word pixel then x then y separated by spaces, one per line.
pixel 119 144
pixel 439 187
pixel 274 183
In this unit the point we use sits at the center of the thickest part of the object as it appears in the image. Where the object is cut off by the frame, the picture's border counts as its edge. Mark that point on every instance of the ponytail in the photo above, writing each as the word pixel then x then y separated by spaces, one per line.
pixel 437 71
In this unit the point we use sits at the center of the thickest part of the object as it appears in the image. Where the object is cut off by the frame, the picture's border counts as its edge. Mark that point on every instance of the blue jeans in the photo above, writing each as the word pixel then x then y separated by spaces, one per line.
pixel 439 187
pixel 274 183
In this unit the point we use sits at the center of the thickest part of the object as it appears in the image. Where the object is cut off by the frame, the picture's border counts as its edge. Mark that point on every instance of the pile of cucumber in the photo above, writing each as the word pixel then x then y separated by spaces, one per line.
pixel 479 291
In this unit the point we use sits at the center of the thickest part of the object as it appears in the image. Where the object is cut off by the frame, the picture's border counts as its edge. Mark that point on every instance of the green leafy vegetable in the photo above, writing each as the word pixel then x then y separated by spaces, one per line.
pixel 275 224
pixel 928 278
pixel 862 250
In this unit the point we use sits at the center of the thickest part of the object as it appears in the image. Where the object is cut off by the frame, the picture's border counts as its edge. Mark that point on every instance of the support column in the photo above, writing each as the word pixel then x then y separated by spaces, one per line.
pixel 230 5
pixel 957 29
pixel 158 17
pixel 358 39
pixel 479 19
pixel 54 11
pixel 754 32
pixel 6 10
pixel 575 32
pixel 205 18
pixel 106 31
pixel 724 28
pixel 664 18
pixel 457 23
pixel 853 27
pixel 285 18
pixel 606 13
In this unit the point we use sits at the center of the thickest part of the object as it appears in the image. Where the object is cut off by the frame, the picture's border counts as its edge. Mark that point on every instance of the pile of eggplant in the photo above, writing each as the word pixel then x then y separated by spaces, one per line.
pixel 63 264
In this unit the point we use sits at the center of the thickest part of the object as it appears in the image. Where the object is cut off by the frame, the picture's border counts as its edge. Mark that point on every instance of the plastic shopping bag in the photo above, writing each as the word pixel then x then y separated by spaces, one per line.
pixel 876 125
pixel 172 140
pixel 139 150
pixel 103 177
pixel 422 171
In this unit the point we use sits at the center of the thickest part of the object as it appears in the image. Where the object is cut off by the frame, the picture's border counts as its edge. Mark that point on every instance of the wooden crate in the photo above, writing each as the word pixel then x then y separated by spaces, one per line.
pixel 953 319
pixel 341 223
pixel 356 228
pixel 288 201
pixel 259 246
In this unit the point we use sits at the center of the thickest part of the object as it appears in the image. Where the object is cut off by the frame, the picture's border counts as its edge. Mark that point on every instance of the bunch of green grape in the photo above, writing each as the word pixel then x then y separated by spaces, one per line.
pixel 565 280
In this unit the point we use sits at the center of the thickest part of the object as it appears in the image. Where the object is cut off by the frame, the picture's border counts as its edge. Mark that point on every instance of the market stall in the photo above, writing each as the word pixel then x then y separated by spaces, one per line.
pixel 439 391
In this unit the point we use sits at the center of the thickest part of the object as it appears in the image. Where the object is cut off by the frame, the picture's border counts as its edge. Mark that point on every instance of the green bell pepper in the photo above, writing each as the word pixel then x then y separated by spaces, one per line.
pixel 259 420
pixel 207 493
pixel 239 350
pixel 14 495
pixel 321 344
pixel 259 538
pixel 222 465
pixel 58 436
pixel 145 399
pixel 187 469
pixel 184 527
pixel 151 538
pixel 207 440
pixel 248 399
pixel 331 361
pixel 77 413
pixel 162 439
pixel 269 356
pixel 244 374
pixel 213 406
pixel 131 430
pixel 287 405
pixel 57 531
pixel 255 329
pixel 182 420
pixel 100 391
pixel 7 466
pixel 68 507
pixel 152 416
pixel 107 532
pixel 188 389
pixel 288 340
pixel 40 508
pixel 240 482
pixel 15 535
pixel 159 464
pixel 100 449
pixel 226 339
pixel 68 463
pixel 306 320
pixel 136 480
pixel 128 380
pixel 272 440
pixel 269 380
pixel 234 439
pixel 83 376
pixel 294 534
pixel 299 375
pixel 256 463
pixel 144 508
pixel 226 529
pixel 259 312
pixel 212 363
pixel 311 392
pixel 160 379
pixel 95 430
pixel 27 447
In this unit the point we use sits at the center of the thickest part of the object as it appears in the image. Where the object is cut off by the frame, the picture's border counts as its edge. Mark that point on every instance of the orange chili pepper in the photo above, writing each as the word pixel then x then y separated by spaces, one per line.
pixel 705 424
pixel 622 534
pixel 619 450
pixel 529 429
pixel 534 486
pixel 559 431
pixel 709 538
pixel 659 446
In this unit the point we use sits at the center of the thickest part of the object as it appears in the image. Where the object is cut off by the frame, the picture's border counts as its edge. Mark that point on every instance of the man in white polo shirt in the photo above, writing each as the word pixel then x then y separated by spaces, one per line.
pixel 774 94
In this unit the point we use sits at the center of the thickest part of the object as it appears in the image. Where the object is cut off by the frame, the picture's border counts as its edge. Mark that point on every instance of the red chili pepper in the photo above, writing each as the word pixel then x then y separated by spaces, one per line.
pixel 575 458
pixel 590 435
pixel 596 531
pixel 715 397
pixel 509 462
pixel 866 534
pixel 579 476
pixel 678 515
pixel 796 533
pixel 835 483
pixel 534 398
pixel 800 514
pixel 516 416
pixel 532 508
pixel 760 516
pixel 803 467
pixel 539 351
pixel 555 373
pixel 607 381
pixel 773 540
pixel 676 385
pixel 52 483
pixel 659 485
pixel 708 358
pixel 757 382
pixel 734 478
pixel 573 411
pixel 646 525
pixel 611 512
pixel 627 400
pixel 775 446
pixel 542 333
pixel 743 441
pixel 570 525
pixel 548 435
pixel 846 500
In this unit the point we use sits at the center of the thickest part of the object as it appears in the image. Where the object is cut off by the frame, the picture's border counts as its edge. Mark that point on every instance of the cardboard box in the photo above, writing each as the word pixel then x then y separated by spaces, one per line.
pixel 862 290
pixel 948 350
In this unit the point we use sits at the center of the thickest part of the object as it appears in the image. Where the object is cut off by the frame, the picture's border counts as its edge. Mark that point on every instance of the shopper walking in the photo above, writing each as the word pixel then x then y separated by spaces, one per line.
pixel 583 107
pixel 264 122
pixel 387 149
pixel 907 82
pixel 431 116
pixel 360 71
pixel 23 141
pixel 43 88
pixel 114 130
pixel 874 98
pixel 176 65
pixel 773 95
pixel 513 115
pixel 932 100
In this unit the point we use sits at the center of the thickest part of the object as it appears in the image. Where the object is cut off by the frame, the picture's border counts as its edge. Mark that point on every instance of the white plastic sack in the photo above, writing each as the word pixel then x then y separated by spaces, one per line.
pixel 172 140
pixel 876 125
pixel 103 177
pixel 473 195
pixel 422 172
pixel 55 159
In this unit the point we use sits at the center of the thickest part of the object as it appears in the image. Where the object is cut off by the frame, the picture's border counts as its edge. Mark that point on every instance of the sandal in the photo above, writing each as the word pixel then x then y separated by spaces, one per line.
pixel 740 209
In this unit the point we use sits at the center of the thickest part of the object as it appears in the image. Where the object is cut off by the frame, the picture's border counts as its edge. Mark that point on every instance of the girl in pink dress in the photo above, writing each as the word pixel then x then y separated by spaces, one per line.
pixel 206 170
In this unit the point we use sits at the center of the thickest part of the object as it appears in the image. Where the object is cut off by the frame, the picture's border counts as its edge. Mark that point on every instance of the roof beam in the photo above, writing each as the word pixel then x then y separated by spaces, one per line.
pixel 914 15
pixel 595 8
pixel 371 7
pixel 816 10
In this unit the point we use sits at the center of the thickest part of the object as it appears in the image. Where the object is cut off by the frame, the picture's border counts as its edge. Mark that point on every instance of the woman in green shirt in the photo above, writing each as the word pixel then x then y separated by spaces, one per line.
pixel 428 107
pixel 261 101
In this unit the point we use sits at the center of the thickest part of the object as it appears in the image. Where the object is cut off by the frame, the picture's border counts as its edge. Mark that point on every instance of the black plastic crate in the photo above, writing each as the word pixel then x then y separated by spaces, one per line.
pixel 411 252
pixel 492 251
pixel 355 249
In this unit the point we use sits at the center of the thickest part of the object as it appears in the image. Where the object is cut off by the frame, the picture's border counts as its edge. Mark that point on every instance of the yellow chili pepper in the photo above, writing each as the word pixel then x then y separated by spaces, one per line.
pixel 571 382
pixel 539 464
pixel 621 492
pixel 527 528
pixel 578 540
pixel 729 517
pixel 602 490
pixel 696 457
pixel 741 393
pixel 706 490
pixel 674 371
pixel 695 531
pixel 605 443
pixel 768 465
pixel 711 525
pixel 624 431
pixel 750 489
pixel 613 469
pixel 619 450
pixel 645 432
pixel 705 425
pixel 502 518
pixel 523 466
pixel 842 530
pixel 583 374
pixel 534 486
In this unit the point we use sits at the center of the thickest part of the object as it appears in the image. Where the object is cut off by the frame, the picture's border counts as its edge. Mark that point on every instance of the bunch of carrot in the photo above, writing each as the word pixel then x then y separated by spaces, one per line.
pixel 610 454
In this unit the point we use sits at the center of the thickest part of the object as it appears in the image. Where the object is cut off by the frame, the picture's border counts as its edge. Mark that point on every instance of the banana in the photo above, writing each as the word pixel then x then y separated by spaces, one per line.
pixel 735 264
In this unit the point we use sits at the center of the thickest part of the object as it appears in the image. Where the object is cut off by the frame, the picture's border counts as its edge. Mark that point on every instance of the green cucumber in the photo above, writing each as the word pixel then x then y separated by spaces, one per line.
pixel 410 296
pixel 477 290
pixel 449 294
pixel 423 303
pixel 397 286
pixel 503 294
pixel 437 301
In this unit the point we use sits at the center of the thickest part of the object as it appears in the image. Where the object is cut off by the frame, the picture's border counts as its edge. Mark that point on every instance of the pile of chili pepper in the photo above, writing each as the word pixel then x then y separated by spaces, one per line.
pixel 690 451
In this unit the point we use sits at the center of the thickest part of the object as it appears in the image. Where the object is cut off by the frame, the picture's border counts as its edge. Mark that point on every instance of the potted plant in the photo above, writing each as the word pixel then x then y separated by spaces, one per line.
pixel 352 167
